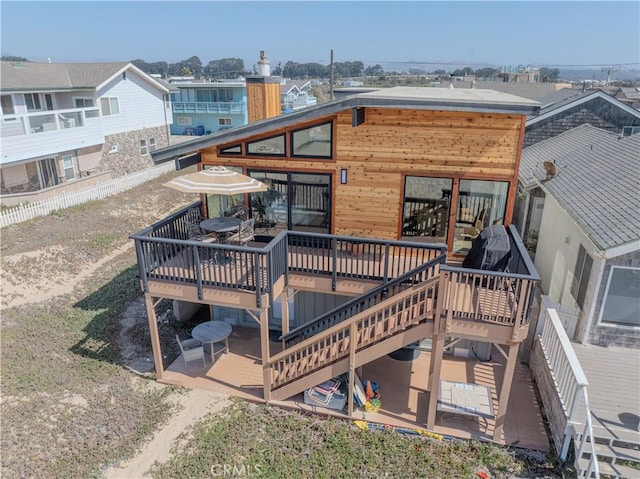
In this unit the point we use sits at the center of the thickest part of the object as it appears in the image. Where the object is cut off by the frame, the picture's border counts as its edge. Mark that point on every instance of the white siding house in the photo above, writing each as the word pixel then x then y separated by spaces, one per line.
pixel 65 126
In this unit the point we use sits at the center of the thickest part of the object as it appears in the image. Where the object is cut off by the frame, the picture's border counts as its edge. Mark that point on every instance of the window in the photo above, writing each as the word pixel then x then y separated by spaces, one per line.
pixel 83 102
pixel 581 276
pixel 426 207
pixel 7 105
pixel 113 148
pixel 152 144
pixel 184 120
pixel 224 121
pixel 269 146
pixel 143 147
pixel 630 130
pixel 109 106
pixel 480 204
pixel 312 142
pixel 32 101
pixel 232 150
pixel 621 306
pixel 67 164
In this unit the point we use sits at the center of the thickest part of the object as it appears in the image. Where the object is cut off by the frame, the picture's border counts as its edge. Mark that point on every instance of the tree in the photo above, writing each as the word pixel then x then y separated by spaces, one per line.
pixel 9 58
pixel 185 72
pixel 547 75
pixel 486 72
pixel 375 70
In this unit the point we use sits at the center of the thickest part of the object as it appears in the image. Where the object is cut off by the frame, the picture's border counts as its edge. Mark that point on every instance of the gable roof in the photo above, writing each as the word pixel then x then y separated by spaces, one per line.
pixel 574 101
pixel 417 98
pixel 32 76
pixel 596 182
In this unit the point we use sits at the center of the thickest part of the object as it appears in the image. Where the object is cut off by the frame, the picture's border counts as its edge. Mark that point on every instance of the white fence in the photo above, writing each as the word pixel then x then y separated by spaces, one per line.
pixel 94 192
pixel 571 384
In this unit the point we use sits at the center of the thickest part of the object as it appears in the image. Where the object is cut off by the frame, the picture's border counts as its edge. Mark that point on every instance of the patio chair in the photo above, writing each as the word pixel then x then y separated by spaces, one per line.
pixel 245 233
pixel 194 216
pixel 191 349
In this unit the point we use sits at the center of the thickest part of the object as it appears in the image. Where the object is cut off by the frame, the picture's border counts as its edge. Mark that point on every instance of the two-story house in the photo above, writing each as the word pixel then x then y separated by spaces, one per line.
pixel 66 125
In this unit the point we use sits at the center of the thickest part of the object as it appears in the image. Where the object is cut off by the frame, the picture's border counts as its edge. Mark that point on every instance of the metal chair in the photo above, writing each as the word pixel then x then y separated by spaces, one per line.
pixel 245 233
pixel 191 349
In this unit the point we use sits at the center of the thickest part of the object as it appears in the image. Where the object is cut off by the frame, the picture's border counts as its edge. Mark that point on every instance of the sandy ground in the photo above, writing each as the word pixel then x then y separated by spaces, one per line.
pixel 195 405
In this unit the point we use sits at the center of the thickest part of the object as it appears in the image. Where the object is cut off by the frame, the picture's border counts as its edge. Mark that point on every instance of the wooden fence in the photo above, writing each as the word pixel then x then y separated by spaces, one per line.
pixel 98 191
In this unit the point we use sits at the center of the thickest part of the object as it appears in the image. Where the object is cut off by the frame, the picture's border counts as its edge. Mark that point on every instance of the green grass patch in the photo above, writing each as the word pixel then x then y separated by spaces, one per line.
pixel 274 443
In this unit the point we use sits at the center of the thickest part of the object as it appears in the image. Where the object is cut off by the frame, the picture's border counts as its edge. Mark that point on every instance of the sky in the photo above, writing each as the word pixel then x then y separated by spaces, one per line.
pixel 548 33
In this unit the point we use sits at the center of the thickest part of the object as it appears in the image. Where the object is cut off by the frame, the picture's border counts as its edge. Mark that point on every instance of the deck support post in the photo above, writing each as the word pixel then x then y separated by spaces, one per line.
pixel 352 367
pixel 503 400
pixel 435 367
pixel 264 349
pixel 284 300
pixel 155 337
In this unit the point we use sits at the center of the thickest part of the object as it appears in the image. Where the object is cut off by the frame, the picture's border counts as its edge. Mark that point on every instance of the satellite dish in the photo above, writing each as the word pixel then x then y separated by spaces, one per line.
pixel 551 170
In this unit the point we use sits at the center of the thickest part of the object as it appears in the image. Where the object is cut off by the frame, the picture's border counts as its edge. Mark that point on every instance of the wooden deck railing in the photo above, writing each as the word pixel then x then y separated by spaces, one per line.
pixel 496 297
pixel 395 314
pixel 571 385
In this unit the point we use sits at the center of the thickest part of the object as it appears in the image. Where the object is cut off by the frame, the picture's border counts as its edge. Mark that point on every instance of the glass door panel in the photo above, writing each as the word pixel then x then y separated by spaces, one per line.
pixel 426 208
pixel 480 204
pixel 270 208
pixel 310 199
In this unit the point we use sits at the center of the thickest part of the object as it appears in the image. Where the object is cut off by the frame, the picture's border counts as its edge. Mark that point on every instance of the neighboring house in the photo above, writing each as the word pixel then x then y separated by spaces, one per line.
pixel 373 202
pixel 295 95
pixel 67 125
pixel 593 106
pixel 561 112
pixel 630 96
pixel 204 107
pixel 588 249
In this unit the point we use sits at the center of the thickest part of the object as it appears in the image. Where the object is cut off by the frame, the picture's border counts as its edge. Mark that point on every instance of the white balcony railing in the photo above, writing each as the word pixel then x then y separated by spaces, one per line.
pixel 209 107
pixel 571 385
pixel 40 122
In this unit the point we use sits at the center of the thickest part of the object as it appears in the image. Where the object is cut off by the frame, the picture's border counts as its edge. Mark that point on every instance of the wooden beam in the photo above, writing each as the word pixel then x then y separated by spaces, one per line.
pixel 352 366
pixel 264 349
pixel 155 337
pixel 503 400
pixel 435 368
pixel 284 299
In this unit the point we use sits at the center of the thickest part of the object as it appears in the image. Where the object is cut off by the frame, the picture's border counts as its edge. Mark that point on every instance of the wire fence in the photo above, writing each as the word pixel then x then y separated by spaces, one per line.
pixel 97 191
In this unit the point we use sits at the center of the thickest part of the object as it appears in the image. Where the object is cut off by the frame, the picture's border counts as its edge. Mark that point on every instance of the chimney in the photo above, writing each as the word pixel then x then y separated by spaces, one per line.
pixel 263 92
pixel 264 66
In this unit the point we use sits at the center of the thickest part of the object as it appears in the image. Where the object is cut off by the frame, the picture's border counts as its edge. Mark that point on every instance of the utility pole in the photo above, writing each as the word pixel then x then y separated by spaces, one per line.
pixel 331 76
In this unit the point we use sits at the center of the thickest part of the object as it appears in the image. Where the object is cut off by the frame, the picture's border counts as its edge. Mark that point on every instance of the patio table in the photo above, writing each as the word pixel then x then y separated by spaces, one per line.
pixel 211 332
pixel 221 225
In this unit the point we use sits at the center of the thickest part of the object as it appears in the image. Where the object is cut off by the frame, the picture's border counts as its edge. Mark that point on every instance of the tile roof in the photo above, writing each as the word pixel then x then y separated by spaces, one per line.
pixel 25 76
pixel 597 180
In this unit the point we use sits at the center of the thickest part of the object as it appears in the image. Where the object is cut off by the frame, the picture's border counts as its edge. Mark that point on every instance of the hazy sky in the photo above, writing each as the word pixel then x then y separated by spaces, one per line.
pixel 498 33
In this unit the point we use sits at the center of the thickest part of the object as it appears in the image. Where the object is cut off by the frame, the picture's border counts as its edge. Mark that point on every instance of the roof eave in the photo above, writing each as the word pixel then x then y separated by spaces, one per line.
pixel 330 108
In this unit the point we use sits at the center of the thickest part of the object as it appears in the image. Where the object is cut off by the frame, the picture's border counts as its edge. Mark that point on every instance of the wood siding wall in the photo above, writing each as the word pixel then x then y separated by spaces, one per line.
pixel 263 101
pixel 392 143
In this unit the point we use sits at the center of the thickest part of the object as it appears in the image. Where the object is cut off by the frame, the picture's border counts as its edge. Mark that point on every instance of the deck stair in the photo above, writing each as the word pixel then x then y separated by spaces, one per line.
pixel 617 450
pixel 401 319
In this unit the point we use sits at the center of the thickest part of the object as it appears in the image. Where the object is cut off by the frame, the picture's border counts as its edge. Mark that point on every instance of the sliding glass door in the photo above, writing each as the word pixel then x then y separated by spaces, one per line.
pixel 426 208
pixel 294 201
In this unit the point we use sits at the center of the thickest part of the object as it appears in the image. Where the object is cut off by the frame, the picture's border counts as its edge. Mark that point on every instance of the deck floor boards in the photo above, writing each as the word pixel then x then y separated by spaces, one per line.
pixel 614 386
pixel 402 385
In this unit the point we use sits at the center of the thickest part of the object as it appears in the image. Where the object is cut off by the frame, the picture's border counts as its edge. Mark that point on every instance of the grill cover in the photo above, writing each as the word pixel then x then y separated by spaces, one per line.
pixel 491 250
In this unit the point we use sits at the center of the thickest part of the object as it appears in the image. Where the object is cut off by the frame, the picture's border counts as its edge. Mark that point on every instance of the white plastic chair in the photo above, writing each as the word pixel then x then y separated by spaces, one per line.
pixel 191 349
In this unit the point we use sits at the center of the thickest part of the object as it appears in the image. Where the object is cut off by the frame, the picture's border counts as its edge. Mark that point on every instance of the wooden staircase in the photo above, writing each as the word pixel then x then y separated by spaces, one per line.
pixel 404 318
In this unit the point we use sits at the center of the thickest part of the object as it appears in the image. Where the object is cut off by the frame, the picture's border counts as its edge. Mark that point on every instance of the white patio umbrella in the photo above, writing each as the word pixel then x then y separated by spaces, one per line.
pixel 217 180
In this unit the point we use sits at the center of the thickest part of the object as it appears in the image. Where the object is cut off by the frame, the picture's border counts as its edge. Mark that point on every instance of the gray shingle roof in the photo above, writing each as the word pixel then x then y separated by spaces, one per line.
pixel 26 76
pixel 597 180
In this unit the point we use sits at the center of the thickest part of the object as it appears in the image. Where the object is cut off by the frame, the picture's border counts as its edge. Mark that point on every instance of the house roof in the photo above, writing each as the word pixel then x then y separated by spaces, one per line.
pixel 596 182
pixel 291 84
pixel 418 98
pixel 533 91
pixel 571 102
pixel 31 76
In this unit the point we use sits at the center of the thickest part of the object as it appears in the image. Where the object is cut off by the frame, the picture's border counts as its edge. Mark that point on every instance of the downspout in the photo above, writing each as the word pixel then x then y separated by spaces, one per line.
pixel 594 298
pixel 166 98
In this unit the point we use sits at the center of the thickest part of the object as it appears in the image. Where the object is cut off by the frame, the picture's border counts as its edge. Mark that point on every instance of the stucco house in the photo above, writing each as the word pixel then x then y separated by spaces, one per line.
pixel 68 125
pixel 588 249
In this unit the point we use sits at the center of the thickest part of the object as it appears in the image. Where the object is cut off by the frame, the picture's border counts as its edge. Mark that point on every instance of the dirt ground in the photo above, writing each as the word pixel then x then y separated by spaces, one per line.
pixel 66 253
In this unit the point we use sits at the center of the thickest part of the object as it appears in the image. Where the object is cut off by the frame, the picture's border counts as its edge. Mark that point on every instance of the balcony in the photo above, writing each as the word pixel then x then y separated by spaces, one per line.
pixel 43 133
pixel 238 107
